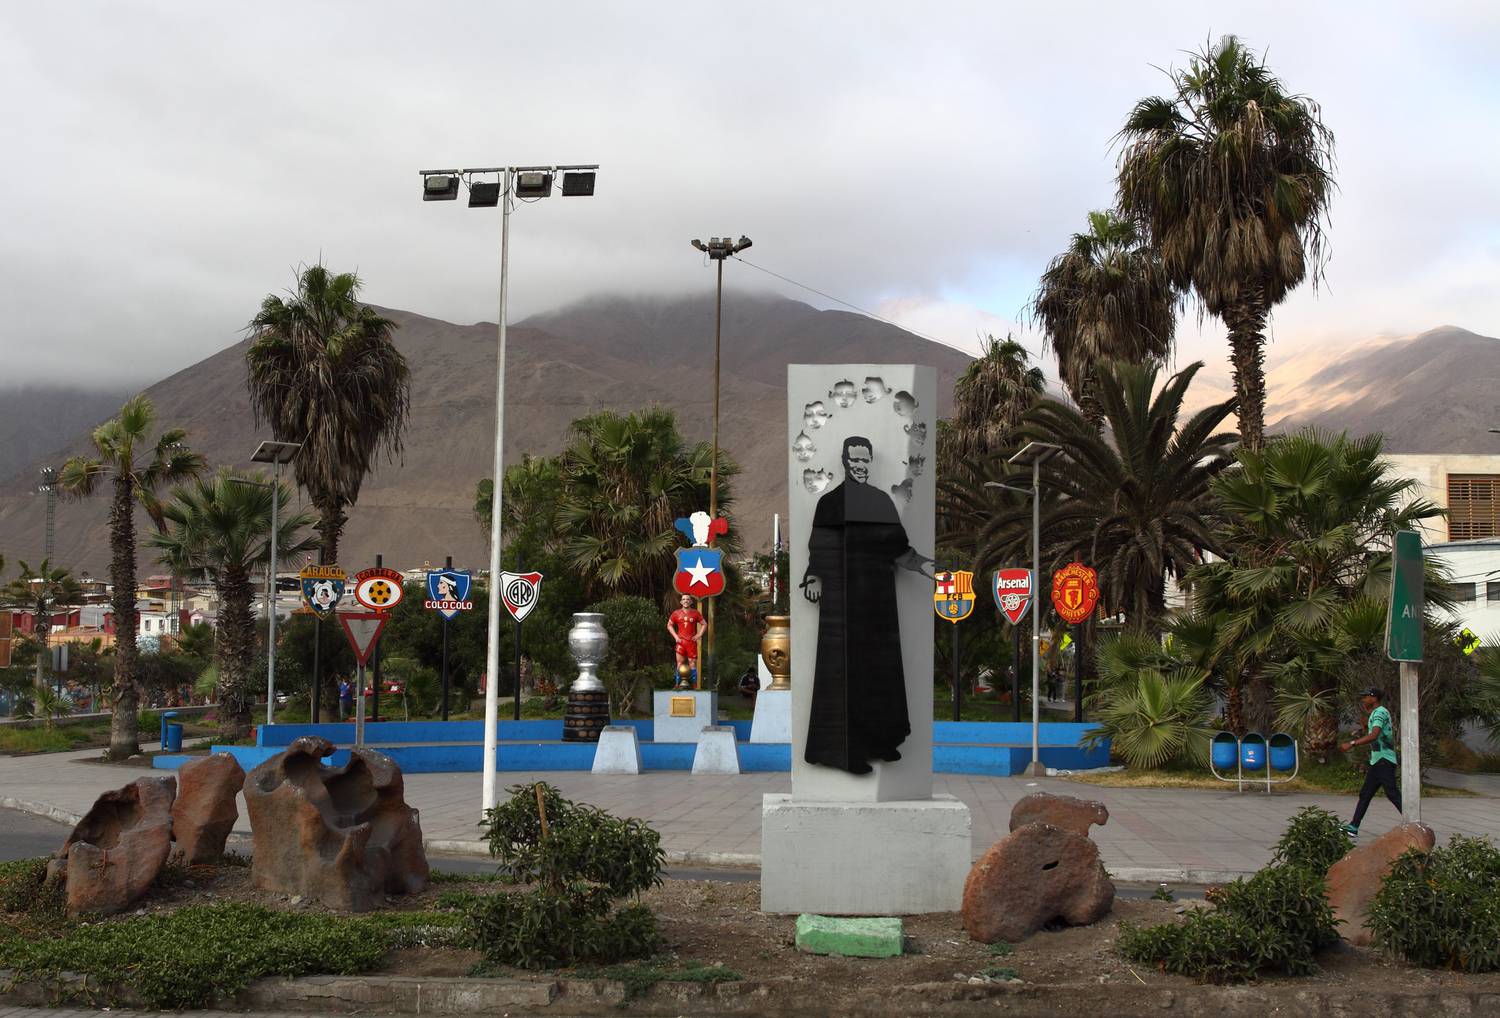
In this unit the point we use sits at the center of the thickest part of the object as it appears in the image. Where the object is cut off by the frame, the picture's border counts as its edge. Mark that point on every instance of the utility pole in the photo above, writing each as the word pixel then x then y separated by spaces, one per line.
pixel 48 487
pixel 718 250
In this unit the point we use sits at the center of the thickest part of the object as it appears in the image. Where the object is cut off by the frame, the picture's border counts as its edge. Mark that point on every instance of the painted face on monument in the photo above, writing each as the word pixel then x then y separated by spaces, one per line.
pixel 843 394
pixel 874 390
pixel 803 448
pixel 857 463
pixel 815 415
pixel 906 404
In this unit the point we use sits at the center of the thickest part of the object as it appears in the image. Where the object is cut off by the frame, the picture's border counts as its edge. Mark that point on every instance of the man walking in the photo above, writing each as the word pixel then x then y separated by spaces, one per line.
pixel 1381 738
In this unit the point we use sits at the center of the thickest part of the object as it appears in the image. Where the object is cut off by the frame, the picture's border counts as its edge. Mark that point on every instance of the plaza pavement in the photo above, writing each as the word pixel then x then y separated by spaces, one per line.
pixel 1173 835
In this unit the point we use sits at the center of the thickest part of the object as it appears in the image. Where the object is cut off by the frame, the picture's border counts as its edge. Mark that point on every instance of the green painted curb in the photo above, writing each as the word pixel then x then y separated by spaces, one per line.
pixel 852 938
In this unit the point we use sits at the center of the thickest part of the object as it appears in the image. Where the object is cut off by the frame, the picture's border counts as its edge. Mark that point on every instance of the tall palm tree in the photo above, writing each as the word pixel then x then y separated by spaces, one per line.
pixel 137 469
pixel 1134 502
pixel 1307 524
pixel 324 372
pixel 42 591
pixel 625 480
pixel 989 398
pixel 1107 297
pixel 1232 177
pixel 221 525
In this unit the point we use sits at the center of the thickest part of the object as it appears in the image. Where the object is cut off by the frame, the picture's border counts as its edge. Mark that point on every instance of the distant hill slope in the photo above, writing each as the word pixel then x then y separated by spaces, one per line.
pixel 608 352
pixel 38 420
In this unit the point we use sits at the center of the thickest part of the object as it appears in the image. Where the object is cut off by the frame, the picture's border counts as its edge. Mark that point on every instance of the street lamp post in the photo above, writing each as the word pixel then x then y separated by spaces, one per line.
pixel 277 454
pixel 525 182
pixel 718 250
pixel 1034 454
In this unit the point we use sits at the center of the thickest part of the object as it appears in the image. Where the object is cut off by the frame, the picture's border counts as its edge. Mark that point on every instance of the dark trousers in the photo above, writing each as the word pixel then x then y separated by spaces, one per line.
pixel 1380 777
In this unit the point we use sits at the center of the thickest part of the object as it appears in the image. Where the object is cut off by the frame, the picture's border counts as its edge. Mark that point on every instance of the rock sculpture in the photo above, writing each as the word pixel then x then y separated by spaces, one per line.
pixel 343 835
pixel 1354 880
pixel 1061 811
pixel 205 811
pixel 1035 875
pixel 115 852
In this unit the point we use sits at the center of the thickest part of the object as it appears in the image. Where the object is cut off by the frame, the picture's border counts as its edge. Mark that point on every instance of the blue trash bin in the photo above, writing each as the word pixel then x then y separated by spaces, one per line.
pixel 173 742
pixel 166 716
pixel 1253 751
pixel 1283 752
pixel 1224 747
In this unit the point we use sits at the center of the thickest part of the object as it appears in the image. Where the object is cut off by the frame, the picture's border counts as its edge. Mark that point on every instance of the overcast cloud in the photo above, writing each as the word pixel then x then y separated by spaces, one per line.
pixel 168 164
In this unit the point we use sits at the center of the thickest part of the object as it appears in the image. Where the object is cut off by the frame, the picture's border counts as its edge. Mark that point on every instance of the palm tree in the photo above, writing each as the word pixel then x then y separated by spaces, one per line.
pixel 221 525
pixel 137 468
pixel 42 591
pixel 625 480
pixel 989 398
pixel 324 372
pixel 1307 523
pixel 1107 297
pixel 1231 177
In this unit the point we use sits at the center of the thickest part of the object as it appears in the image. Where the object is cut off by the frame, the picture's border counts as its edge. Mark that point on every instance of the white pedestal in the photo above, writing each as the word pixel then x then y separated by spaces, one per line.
pixel 619 752
pixel 717 752
pixel 676 725
pixel 864 858
pixel 773 716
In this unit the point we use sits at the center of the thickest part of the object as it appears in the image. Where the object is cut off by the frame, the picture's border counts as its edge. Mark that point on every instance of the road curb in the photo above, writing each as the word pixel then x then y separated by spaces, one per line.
pixel 40 809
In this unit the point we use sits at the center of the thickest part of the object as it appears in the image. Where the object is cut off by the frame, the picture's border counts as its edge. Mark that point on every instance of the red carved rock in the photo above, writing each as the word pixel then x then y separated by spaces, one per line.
pixel 1061 811
pixel 342 835
pixel 205 810
pixel 1032 876
pixel 115 852
pixel 1354 879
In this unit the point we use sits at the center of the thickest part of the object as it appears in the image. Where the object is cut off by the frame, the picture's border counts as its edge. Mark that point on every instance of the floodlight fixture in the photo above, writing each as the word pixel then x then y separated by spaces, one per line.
pixel 484 194
pixel 275 452
pixel 578 184
pixel 439 186
pixel 533 184
pixel 719 248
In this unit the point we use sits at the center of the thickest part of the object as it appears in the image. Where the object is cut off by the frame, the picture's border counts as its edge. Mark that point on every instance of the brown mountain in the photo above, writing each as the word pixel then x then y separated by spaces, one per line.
pixel 608 352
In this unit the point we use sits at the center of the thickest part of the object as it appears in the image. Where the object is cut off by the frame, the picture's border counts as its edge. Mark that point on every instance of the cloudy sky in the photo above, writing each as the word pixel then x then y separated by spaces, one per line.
pixel 169 163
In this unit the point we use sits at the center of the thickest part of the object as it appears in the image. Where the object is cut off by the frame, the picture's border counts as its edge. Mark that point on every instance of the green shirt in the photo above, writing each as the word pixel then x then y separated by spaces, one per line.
pixel 1384 746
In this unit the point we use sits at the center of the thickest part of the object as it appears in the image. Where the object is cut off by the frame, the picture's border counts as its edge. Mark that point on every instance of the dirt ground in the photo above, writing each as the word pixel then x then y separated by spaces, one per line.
pixel 719 923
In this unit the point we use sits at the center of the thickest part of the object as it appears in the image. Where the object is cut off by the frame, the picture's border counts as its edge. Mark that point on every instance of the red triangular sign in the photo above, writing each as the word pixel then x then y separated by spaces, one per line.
pixel 363 630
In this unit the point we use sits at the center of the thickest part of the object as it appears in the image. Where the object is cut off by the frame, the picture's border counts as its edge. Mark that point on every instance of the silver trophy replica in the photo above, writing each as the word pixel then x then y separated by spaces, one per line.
pixel 587 642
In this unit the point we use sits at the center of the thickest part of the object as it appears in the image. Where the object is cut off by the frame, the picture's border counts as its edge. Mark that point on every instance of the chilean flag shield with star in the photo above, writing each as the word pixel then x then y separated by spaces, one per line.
pixel 700 572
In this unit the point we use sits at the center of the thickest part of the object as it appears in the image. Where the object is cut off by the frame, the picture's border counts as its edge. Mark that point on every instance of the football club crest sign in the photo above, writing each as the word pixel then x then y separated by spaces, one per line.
pixel 953 598
pixel 378 589
pixel 1075 592
pixel 322 589
pixel 1013 593
pixel 520 593
pixel 448 592
pixel 700 572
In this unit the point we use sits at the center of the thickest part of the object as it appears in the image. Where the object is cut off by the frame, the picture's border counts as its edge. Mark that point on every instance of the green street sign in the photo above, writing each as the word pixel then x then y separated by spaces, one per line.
pixel 1403 620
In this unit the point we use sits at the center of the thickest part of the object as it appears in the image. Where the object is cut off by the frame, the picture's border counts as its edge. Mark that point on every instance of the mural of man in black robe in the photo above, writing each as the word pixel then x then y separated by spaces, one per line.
pixel 859 687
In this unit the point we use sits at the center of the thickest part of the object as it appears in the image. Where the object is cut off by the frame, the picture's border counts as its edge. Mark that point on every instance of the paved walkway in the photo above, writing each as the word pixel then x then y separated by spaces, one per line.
pixel 1152 834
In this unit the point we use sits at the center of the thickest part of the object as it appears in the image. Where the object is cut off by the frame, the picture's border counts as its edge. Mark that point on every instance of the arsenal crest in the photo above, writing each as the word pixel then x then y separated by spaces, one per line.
pixel 448 592
pixel 953 598
pixel 322 589
pixel 1075 592
pixel 700 572
pixel 1013 593
pixel 520 592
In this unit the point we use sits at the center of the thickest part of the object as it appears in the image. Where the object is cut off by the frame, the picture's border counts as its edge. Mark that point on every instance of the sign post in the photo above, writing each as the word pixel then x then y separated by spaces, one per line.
pixel 377 590
pixel 1075 592
pixel 363 630
pixel 1013 592
pixel 322 589
pixel 953 600
pixel 520 592
pixel 448 594
pixel 1403 643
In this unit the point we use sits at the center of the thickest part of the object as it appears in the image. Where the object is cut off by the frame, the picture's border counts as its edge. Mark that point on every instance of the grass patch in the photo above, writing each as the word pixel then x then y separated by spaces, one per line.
pixel 1001 949
pixel 1337 776
pixel 1000 972
pixel 638 977
pixel 445 877
pixel 15 740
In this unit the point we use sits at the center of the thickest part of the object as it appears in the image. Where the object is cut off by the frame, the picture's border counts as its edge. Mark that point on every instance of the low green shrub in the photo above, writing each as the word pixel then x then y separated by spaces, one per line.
pixel 24 890
pixel 1314 838
pixel 1277 920
pixel 549 928
pixel 1442 910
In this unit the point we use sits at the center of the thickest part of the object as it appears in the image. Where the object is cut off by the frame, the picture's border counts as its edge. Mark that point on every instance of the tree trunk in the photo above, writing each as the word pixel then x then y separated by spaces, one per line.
pixel 124 733
pixel 233 651
pixel 331 520
pixel 1246 320
pixel 43 617
pixel 1234 710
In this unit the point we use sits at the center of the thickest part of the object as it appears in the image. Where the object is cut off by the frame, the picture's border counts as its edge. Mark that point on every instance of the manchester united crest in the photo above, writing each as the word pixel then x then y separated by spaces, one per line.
pixel 1075 592
pixel 953 598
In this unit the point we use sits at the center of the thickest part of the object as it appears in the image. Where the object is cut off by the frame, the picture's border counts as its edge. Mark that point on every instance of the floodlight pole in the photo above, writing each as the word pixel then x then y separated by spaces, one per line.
pixel 492 627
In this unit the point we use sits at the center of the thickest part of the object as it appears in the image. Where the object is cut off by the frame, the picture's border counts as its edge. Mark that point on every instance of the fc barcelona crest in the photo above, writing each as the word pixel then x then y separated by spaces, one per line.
pixel 1075 592
pixel 953 598
pixel 700 572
